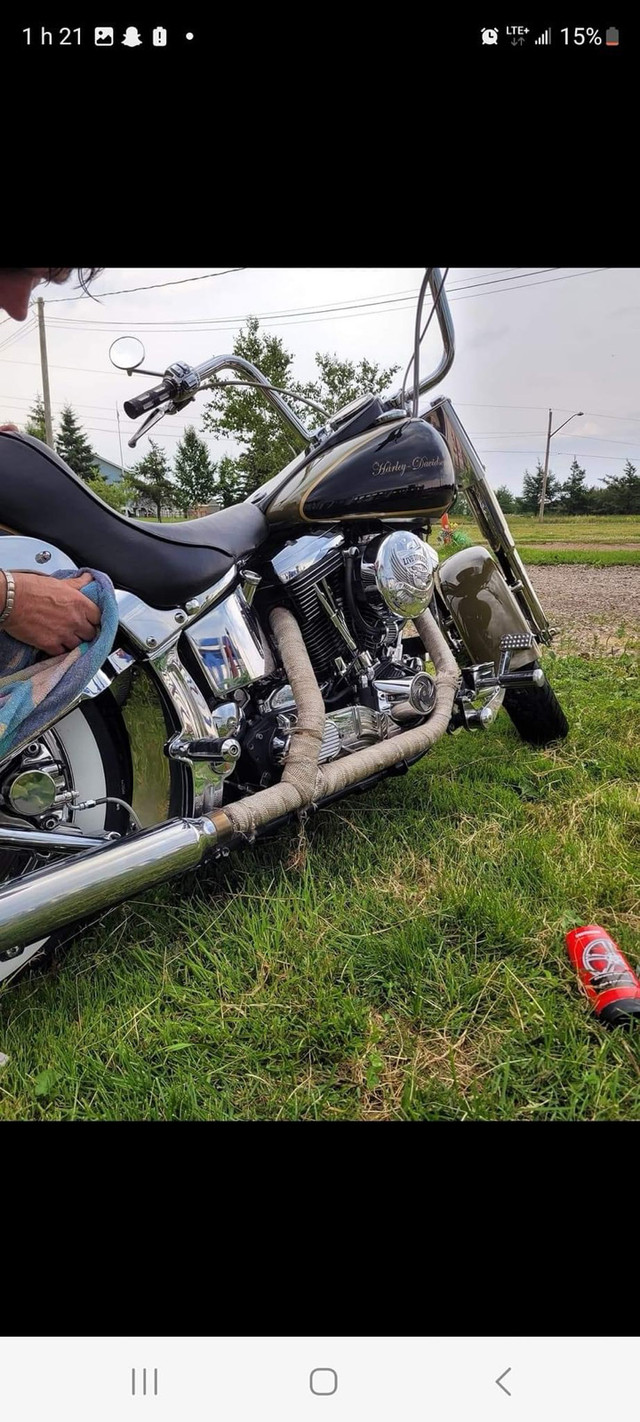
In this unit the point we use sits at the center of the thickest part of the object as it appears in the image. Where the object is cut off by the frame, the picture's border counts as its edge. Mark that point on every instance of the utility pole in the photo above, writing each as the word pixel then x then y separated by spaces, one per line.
pixel 120 439
pixel 546 469
pixel 545 473
pixel 46 397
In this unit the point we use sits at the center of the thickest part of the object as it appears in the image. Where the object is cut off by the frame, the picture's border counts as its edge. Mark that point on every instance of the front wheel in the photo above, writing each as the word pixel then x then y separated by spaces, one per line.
pixel 537 714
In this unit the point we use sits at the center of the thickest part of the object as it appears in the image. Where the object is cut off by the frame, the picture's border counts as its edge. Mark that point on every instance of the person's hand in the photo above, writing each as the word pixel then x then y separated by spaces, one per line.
pixel 51 613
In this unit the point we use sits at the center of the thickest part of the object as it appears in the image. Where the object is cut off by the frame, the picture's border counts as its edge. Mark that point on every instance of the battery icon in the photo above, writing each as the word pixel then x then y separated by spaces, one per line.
pixel 613 36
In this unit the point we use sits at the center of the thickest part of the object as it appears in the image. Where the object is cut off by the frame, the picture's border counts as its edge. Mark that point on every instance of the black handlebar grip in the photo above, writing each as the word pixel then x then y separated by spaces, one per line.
pixel 149 400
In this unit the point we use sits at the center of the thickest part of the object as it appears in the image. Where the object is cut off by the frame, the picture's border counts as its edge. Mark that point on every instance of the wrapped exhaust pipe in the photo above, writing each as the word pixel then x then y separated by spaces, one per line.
pixel 302 780
pixel 38 904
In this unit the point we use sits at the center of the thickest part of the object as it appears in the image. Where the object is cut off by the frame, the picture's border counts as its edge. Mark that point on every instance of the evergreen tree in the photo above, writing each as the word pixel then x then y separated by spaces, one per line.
pixel 193 472
pixel 529 501
pixel 575 497
pixel 36 421
pixel 73 446
pixel 267 445
pixel 229 486
pixel 622 495
pixel 505 499
pixel 150 477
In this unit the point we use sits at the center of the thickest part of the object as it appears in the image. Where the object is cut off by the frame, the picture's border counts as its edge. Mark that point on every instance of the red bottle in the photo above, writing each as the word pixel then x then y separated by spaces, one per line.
pixel 611 984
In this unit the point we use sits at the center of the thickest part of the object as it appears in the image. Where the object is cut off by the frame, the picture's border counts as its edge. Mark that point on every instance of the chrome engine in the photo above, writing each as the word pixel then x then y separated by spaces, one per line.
pixel 354 599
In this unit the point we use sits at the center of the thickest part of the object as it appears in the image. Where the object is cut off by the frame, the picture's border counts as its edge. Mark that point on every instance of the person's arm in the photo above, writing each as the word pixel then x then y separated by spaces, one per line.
pixel 48 613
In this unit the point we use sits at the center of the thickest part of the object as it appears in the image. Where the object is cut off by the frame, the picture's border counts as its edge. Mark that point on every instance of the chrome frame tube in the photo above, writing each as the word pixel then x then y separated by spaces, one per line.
pixel 43 840
pixel 471 476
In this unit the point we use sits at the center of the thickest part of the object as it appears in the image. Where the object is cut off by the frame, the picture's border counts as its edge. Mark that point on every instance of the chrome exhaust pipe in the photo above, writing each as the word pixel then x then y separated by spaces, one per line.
pixel 471 477
pixel 38 904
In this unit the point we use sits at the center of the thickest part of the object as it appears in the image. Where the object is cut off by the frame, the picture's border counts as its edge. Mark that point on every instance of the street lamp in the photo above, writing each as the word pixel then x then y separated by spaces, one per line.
pixel 550 434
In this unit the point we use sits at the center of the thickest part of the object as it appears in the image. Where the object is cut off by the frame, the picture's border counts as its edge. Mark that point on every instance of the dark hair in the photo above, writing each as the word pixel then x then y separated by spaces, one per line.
pixel 85 274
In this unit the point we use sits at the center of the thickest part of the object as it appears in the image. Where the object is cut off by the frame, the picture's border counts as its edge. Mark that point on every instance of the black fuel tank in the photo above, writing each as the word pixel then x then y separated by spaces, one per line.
pixel 396 470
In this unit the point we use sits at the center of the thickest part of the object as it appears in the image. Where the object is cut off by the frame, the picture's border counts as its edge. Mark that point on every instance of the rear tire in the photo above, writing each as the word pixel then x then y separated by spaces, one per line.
pixel 537 714
pixel 94 742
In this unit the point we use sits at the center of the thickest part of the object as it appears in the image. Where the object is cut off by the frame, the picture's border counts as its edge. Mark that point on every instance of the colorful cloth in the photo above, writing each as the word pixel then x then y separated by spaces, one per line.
pixel 33 688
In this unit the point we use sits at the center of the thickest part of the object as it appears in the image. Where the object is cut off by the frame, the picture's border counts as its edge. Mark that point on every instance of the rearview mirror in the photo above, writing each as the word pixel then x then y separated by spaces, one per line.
pixel 126 353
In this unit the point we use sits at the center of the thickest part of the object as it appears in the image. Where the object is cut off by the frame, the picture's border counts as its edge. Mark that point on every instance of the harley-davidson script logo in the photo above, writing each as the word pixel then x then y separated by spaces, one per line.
pixel 379 469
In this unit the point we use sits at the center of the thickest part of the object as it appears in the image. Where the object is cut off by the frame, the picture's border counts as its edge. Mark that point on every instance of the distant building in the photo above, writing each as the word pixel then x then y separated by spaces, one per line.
pixel 112 472
pixel 139 507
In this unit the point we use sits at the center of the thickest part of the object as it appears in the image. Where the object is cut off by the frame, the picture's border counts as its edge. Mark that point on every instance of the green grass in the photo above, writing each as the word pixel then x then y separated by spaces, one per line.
pixel 589 557
pixel 605 539
pixel 526 528
pixel 583 528
pixel 404 959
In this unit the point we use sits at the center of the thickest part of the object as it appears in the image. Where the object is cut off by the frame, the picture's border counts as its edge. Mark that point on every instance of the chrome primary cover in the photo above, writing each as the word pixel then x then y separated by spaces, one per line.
pixel 404 568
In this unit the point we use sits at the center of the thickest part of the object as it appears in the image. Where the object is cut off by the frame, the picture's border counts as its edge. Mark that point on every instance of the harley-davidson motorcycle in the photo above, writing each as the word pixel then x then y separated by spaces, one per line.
pixel 271 657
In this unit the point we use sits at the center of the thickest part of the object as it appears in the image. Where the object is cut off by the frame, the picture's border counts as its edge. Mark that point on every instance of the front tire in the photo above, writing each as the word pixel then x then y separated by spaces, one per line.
pixel 537 714
pixel 94 743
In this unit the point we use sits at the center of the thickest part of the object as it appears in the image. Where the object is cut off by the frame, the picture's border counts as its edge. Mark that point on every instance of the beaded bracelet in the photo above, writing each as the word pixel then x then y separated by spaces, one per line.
pixel 11 593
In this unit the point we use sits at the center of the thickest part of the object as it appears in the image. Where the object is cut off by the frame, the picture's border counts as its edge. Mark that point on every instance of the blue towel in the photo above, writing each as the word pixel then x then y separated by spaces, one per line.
pixel 35 689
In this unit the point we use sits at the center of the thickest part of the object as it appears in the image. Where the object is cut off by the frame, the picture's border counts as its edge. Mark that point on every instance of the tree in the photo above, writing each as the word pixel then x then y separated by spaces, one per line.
pixel 505 499
pixel 73 446
pixel 622 495
pixel 116 495
pixel 35 425
pixel 267 445
pixel 150 476
pixel 576 497
pixel 342 381
pixel 229 482
pixel 193 472
pixel 460 508
pixel 529 501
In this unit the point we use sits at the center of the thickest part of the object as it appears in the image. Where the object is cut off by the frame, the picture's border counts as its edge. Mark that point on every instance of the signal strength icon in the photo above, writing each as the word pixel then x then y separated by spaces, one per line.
pixel 544 38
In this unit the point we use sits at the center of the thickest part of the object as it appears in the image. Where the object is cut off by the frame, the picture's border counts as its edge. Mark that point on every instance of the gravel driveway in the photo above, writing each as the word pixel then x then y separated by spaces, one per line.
pixel 593 607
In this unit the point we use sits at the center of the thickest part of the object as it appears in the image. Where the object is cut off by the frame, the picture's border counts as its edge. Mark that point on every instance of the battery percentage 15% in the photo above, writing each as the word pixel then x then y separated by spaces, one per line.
pixel 582 36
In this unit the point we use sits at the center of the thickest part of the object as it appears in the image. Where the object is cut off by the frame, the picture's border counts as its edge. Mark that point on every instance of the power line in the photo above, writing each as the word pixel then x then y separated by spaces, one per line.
pixel 181 281
pixel 385 298
pixel 559 454
pixel 17 335
pixel 352 315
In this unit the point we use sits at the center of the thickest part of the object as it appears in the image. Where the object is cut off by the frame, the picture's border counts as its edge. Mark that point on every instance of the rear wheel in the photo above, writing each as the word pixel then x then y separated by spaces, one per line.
pixel 536 714
pixel 91 747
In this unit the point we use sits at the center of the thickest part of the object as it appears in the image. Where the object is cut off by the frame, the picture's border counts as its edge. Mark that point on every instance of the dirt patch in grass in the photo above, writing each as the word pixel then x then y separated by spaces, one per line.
pixel 555 543
pixel 597 610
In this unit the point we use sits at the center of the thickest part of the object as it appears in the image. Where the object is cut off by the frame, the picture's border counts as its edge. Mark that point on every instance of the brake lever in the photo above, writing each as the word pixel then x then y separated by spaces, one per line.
pixel 151 420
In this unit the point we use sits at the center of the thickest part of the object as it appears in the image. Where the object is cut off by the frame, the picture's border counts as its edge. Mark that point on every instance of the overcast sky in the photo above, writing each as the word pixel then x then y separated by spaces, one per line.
pixel 530 339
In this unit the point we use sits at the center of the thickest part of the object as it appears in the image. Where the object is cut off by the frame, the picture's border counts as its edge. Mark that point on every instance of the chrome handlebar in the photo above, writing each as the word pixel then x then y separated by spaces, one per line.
pixel 445 322
pixel 210 367
pixel 233 362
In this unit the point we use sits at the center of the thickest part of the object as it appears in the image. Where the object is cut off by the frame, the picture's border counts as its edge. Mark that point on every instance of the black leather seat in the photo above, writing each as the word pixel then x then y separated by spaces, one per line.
pixel 163 563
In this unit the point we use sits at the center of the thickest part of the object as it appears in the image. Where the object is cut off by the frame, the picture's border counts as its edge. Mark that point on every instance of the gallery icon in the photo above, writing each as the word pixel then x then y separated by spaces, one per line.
pixel 489 36
pixel 103 34
pixel 159 36
pixel 131 37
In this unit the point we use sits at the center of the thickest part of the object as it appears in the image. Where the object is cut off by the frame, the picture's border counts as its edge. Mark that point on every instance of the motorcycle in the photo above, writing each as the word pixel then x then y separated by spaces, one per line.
pixel 271 657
